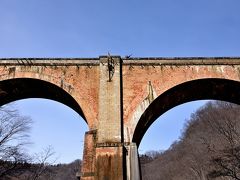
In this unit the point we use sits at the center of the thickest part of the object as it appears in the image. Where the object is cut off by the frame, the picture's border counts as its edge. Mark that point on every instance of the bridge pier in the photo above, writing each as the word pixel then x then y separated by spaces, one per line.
pixel 109 146
pixel 105 155
pixel 106 147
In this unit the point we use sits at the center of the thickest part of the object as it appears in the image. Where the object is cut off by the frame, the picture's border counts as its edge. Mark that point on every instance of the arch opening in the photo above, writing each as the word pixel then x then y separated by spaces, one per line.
pixel 13 90
pixel 21 91
pixel 23 88
pixel 55 126
pixel 201 89
pixel 168 128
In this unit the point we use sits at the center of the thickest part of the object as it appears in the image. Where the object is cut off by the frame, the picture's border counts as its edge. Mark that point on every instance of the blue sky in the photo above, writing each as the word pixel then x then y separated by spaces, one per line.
pixel 55 125
pixel 78 28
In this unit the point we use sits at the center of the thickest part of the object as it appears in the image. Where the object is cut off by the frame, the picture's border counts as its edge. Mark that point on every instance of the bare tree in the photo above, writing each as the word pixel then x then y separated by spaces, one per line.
pixel 14 130
pixel 16 163
pixel 42 164
pixel 226 148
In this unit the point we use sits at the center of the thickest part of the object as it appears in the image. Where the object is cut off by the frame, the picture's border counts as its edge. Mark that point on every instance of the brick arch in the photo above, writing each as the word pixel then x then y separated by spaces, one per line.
pixel 200 89
pixel 13 89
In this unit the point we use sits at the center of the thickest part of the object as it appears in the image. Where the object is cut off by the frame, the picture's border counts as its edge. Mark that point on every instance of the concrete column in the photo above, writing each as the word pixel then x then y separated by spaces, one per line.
pixel 109 147
pixel 132 162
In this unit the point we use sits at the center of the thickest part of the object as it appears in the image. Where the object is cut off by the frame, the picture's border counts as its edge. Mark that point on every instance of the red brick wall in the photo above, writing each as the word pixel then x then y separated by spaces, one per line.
pixel 81 82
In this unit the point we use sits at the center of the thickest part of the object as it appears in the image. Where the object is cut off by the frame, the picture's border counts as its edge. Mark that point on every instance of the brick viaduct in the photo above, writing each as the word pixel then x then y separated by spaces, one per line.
pixel 119 98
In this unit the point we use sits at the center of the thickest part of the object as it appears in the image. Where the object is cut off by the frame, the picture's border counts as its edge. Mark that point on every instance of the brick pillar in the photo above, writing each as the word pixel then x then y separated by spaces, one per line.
pixel 109 148
pixel 89 156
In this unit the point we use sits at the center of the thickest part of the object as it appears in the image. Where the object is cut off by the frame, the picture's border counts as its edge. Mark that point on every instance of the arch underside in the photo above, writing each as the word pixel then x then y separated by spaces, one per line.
pixel 201 89
pixel 22 88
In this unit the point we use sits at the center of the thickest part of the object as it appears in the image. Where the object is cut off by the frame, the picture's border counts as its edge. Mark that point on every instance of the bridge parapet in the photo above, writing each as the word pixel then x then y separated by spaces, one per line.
pixel 49 61
pixel 182 61
pixel 126 61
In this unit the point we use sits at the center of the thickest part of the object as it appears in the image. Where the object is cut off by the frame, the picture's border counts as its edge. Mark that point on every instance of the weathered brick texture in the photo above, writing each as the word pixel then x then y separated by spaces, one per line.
pixel 139 90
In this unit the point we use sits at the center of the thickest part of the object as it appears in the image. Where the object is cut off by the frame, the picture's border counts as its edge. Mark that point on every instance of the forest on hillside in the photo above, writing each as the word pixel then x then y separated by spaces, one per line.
pixel 34 171
pixel 209 148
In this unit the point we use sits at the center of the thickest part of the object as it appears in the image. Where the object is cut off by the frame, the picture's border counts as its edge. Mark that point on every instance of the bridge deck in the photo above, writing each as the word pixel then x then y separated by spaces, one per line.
pixel 126 61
